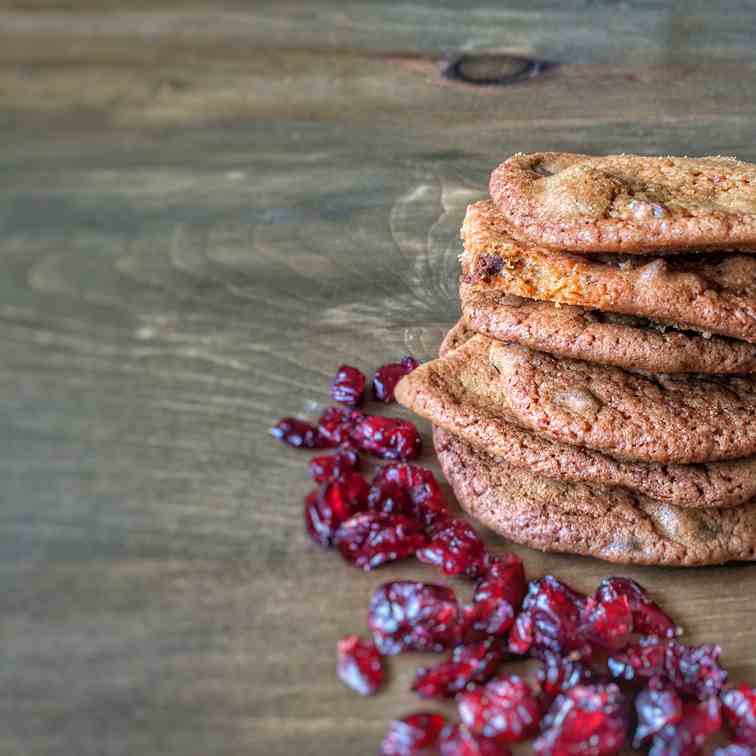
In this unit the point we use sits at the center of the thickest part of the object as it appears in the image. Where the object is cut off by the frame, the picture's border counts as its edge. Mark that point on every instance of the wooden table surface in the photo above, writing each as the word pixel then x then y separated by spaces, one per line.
pixel 205 208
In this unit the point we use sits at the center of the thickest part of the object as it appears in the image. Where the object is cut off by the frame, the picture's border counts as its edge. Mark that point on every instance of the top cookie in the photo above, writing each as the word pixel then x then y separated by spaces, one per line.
pixel 628 203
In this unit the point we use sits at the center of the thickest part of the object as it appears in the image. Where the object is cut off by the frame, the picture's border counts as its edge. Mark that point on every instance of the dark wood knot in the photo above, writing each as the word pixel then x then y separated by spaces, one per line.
pixel 493 69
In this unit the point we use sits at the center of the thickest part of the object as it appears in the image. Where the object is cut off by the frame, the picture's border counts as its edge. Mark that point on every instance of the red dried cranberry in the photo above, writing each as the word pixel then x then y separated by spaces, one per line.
pixel 693 670
pixel 550 619
pixel 509 569
pixel 420 481
pixel 648 618
pixel 348 386
pixel 473 663
pixel 387 437
pixel 432 512
pixel 427 501
pixel 415 735
pixel 333 504
pixel 456 548
pixel 457 740
pixel 387 376
pixel 687 736
pixel 336 423
pixel 371 539
pixel 505 709
pixel 646 658
pixel 409 616
pixel 590 720
pixel 359 665
pixel 409 363
pixel 498 595
pixel 390 498
pixel 608 623
pixel 739 709
pixel 656 707
pixel 298 433
pixel 333 466
pixel 557 674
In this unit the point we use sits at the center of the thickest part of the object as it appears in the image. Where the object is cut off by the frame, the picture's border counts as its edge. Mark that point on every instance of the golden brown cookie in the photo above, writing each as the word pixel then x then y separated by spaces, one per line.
pixel 628 203
pixel 714 293
pixel 591 520
pixel 461 392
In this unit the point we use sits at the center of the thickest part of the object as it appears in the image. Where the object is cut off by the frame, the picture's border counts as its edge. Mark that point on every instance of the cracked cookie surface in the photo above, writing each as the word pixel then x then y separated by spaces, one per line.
pixel 628 203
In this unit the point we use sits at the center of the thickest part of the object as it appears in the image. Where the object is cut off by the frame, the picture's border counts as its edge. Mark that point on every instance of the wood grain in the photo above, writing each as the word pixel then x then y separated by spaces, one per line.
pixel 204 208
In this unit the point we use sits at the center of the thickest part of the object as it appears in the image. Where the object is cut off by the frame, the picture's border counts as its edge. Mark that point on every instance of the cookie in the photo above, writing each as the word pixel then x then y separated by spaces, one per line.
pixel 628 203
pixel 459 393
pixel 713 293
pixel 608 523
pixel 642 418
pixel 625 341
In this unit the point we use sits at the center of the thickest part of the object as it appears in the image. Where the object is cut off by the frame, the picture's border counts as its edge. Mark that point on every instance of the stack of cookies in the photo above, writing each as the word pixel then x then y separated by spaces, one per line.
pixel 598 396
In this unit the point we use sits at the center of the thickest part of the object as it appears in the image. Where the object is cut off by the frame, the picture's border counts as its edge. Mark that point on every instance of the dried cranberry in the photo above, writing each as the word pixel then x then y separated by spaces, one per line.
pixel 387 376
pixel 336 423
pixel 550 619
pixel 298 433
pixel 498 595
pixel 420 481
pixel 693 670
pixel 646 658
pixel 414 735
pixel 648 618
pixel 590 720
pixel 371 539
pixel 409 616
pixel 557 674
pixel 348 386
pixel 456 548
pixel 608 623
pixel 387 437
pixel 319 519
pixel 739 709
pixel 333 504
pixel 433 512
pixel 359 665
pixel 457 740
pixel 473 663
pixel 687 736
pixel 390 498
pixel 409 363
pixel 427 501
pixel 333 466
pixel 656 707
pixel 505 709
pixel 508 569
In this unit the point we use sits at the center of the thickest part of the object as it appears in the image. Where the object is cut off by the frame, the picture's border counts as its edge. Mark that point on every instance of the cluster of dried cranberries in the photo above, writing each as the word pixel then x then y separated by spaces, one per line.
pixel 610 670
